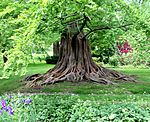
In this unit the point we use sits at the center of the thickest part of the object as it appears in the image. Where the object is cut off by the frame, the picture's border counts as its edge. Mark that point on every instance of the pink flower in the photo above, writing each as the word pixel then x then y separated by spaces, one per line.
pixel 124 51
pixel 124 48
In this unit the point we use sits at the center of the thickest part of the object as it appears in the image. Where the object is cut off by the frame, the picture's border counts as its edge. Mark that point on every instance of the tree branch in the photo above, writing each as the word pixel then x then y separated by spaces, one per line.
pixel 103 28
pixel 73 21
pixel 82 26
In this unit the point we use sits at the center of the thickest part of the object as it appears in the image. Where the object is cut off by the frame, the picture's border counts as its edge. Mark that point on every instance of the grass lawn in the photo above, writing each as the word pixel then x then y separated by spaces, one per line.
pixel 13 83
pixel 117 92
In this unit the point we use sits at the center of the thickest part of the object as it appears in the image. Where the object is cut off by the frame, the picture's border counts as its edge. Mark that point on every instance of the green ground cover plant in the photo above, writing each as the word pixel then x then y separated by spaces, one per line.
pixel 71 108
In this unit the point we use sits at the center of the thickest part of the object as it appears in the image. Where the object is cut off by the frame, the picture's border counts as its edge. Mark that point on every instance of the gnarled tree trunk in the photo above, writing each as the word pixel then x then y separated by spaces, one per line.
pixel 75 64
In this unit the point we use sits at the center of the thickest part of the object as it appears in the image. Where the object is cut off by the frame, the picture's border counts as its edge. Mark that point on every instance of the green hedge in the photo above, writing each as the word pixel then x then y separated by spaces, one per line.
pixel 51 59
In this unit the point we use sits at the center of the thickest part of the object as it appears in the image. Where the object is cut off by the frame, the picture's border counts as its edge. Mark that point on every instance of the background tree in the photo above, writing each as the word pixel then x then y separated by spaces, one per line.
pixel 74 21
pixel 103 46
pixel 56 49
pixel 6 29
pixel 138 37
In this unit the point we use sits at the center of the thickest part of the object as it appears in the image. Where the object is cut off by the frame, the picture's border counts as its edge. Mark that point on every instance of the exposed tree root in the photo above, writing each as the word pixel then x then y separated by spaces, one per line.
pixel 100 75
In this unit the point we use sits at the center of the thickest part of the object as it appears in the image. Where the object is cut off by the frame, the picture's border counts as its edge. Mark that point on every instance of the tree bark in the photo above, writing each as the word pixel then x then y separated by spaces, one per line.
pixel 75 64
pixel 56 49
pixel 4 57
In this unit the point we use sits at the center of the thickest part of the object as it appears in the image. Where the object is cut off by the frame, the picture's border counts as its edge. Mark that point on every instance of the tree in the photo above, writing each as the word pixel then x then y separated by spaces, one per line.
pixel 56 49
pixel 103 47
pixel 73 21
pixel 5 30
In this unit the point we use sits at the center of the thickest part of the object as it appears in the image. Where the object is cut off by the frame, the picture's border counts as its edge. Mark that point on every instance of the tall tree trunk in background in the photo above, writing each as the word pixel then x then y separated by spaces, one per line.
pixel 75 64
pixel 56 49
pixel 4 57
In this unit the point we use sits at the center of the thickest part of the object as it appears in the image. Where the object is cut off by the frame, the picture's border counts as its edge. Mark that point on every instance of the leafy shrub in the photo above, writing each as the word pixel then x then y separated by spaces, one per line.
pixel 38 57
pixel 103 55
pixel 124 47
pixel 114 61
pixel 51 59
pixel 102 47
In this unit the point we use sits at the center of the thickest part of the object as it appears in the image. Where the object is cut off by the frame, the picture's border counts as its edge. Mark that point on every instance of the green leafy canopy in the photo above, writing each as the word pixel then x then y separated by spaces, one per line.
pixel 29 25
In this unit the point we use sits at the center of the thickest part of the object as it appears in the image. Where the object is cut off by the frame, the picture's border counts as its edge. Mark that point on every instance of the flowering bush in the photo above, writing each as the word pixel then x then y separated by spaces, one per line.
pixel 14 108
pixel 124 47
pixel 6 108
pixel 123 56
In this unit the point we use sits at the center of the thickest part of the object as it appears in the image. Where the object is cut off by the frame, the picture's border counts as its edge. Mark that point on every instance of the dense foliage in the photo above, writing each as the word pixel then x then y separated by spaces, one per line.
pixel 31 25
pixel 68 109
